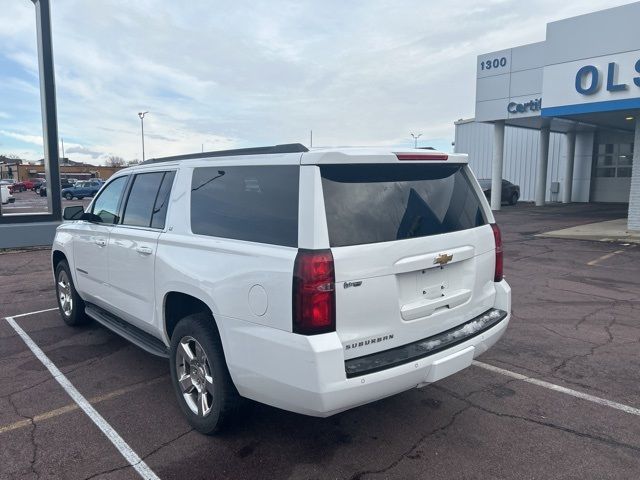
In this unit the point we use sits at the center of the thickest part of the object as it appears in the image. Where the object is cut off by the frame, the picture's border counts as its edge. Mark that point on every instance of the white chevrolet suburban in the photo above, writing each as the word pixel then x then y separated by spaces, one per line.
pixel 313 281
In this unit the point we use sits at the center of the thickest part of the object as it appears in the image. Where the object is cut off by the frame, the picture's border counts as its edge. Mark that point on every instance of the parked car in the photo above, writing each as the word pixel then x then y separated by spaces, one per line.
pixel 25 185
pixel 10 184
pixel 67 183
pixel 510 192
pixel 17 187
pixel 64 183
pixel 5 195
pixel 311 281
pixel 79 190
pixel 35 184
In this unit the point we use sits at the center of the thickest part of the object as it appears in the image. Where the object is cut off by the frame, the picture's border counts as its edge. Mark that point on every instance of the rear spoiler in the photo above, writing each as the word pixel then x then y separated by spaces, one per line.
pixel 377 155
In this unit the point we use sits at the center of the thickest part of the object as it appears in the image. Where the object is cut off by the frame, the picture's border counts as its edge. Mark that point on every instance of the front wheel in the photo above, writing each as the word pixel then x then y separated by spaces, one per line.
pixel 199 374
pixel 68 196
pixel 70 304
pixel 514 199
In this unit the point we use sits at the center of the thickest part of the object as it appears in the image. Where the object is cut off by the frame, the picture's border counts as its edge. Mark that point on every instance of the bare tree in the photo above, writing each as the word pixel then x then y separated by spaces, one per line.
pixel 10 158
pixel 115 161
pixel 135 161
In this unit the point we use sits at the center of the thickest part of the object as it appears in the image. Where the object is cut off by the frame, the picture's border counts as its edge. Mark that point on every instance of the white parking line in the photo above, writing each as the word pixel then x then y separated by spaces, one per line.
pixel 127 452
pixel 33 313
pixel 557 388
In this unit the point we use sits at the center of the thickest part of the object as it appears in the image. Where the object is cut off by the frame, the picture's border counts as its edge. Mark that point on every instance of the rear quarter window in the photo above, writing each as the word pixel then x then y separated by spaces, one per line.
pixel 372 203
pixel 253 203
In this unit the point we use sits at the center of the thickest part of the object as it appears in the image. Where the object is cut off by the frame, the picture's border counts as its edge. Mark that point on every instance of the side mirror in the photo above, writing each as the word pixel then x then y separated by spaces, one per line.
pixel 73 213
pixel 91 217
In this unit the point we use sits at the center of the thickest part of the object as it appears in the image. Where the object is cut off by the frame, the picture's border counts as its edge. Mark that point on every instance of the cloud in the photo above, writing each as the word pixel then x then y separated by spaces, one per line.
pixel 357 73
pixel 26 138
pixel 83 151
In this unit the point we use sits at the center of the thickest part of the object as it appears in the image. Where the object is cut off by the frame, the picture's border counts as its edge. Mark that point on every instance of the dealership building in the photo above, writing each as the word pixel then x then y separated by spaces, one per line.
pixel 561 117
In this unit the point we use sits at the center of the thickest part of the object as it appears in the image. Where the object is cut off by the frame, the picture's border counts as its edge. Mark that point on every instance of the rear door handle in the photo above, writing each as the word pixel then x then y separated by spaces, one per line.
pixel 143 250
pixel 101 242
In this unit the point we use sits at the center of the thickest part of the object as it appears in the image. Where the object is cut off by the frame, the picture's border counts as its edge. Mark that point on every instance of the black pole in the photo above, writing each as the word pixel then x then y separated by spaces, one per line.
pixel 49 110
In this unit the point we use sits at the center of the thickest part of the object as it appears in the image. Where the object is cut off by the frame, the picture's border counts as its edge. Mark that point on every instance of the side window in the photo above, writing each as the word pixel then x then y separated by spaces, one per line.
pixel 257 203
pixel 142 198
pixel 106 205
pixel 162 201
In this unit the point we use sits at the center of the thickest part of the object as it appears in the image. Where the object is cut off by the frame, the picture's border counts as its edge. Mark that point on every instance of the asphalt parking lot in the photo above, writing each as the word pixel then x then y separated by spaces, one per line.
pixel 31 202
pixel 562 402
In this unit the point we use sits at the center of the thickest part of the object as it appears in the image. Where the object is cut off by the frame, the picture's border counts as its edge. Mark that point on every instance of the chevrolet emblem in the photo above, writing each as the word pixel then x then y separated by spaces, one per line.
pixel 443 259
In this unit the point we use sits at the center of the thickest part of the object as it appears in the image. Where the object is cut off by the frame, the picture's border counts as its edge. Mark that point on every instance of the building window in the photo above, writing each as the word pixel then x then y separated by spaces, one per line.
pixel 613 160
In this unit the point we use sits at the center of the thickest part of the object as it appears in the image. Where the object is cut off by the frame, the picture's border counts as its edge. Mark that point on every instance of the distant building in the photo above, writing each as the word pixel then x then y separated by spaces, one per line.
pixel 8 168
pixel 561 117
pixel 68 169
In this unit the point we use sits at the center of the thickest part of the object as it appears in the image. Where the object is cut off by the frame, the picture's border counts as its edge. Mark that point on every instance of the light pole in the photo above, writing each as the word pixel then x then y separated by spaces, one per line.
pixel 141 115
pixel 415 139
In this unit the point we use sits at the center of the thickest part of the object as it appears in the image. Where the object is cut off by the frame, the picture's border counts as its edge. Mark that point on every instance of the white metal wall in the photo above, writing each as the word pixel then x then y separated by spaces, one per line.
pixel 520 155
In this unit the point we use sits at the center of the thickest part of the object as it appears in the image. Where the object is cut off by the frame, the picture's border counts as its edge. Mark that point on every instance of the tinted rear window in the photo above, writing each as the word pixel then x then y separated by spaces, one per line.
pixel 254 203
pixel 385 202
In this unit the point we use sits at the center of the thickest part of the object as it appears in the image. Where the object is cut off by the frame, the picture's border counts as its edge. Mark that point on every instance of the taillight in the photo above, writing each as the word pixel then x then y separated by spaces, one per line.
pixel 314 300
pixel 497 276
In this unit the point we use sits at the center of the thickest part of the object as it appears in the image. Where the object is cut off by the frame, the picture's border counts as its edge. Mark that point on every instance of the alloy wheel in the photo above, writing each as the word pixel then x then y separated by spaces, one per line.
pixel 194 376
pixel 65 296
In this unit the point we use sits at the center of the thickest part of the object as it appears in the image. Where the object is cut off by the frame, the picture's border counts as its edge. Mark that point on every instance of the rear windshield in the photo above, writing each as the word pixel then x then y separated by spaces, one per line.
pixel 385 202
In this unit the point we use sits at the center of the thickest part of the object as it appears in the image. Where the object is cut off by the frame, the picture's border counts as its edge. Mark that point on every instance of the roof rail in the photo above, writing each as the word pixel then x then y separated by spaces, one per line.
pixel 284 148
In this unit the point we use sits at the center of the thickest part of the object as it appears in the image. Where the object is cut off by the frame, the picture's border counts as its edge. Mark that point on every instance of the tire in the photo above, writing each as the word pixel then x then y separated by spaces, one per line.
pixel 205 376
pixel 68 196
pixel 70 304
pixel 514 198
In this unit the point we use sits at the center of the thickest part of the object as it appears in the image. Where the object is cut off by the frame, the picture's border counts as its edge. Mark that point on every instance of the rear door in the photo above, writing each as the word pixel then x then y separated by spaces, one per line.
pixel 413 251
pixel 132 248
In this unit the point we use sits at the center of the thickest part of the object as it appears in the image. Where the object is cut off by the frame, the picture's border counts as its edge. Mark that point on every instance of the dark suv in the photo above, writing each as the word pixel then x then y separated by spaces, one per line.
pixel 510 192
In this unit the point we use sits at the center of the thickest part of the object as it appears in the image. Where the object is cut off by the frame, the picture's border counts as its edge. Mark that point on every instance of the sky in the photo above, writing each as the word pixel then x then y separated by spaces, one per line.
pixel 233 74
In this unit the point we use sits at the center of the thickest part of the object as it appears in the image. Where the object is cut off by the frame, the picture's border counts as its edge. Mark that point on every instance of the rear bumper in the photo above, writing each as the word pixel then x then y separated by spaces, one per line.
pixel 446 340
pixel 307 374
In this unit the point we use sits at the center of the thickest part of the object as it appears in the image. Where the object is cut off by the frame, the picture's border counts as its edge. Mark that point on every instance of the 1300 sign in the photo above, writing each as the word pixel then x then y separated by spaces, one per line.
pixel 495 63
